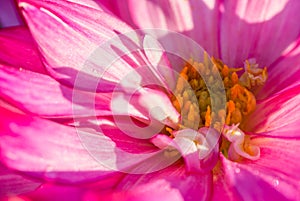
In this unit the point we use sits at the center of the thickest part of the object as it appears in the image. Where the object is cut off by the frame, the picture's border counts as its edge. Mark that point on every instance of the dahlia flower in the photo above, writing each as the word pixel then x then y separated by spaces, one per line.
pixel 93 108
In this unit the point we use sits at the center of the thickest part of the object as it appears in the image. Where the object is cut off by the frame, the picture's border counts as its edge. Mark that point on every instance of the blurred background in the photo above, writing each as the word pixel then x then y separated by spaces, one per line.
pixel 9 15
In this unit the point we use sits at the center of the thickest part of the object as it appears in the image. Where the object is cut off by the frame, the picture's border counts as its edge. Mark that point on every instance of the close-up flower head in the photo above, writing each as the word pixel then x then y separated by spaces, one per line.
pixel 146 100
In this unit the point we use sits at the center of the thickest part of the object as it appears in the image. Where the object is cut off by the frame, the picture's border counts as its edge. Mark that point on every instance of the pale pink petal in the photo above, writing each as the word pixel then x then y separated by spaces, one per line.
pixel 159 64
pixel 18 49
pixel 70 33
pixel 42 95
pixel 13 183
pixel 282 74
pixel 172 181
pixel 49 151
pixel 127 150
pixel 277 115
pixel 257 29
pixel 151 103
pixel 196 19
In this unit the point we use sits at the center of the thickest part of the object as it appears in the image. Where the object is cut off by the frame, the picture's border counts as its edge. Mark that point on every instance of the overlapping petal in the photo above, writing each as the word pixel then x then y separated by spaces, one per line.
pixel 42 95
pixel 48 151
pixel 75 25
pixel 98 149
pixel 246 27
pixel 69 35
pixel 188 17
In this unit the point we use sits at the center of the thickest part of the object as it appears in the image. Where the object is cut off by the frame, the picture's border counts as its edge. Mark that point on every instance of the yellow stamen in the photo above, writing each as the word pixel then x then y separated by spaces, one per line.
pixel 240 101
pixel 192 100
pixel 230 108
pixel 208 116
pixel 225 71
pixel 234 78
pixel 251 103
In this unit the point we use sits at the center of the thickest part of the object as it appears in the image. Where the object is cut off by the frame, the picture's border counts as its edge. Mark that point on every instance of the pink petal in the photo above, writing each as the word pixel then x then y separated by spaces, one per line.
pixel 31 91
pixel 270 177
pixel 18 49
pixel 172 182
pixel 249 29
pixel 284 73
pixel 196 19
pixel 69 35
pixel 13 183
pixel 277 115
pixel 49 151
pixel 279 154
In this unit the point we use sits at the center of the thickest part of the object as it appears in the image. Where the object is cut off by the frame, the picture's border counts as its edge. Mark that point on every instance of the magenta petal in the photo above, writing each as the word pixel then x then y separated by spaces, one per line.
pixel 31 91
pixel 249 29
pixel 48 150
pixel 278 115
pixel 18 49
pixel 69 35
pixel 13 183
pixel 196 19
pixel 50 192
pixel 222 188
pixel 172 180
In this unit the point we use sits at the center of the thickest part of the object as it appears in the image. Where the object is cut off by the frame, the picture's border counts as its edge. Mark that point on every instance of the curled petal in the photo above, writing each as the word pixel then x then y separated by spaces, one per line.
pixel 240 144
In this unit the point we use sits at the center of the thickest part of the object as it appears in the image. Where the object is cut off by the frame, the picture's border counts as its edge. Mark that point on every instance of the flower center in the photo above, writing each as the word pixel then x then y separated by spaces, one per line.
pixel 193 101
